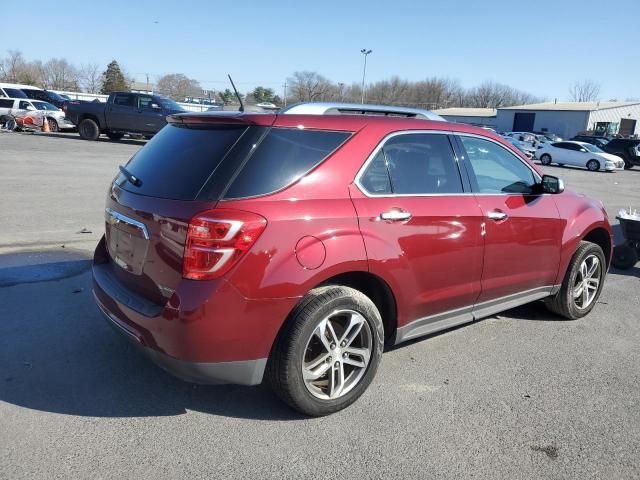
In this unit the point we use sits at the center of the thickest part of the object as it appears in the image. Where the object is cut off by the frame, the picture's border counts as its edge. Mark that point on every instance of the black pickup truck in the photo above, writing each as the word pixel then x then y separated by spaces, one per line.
pixel 124 112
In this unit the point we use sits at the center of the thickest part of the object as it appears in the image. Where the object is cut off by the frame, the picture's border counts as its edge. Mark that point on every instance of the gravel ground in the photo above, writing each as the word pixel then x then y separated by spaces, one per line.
pixel 520 395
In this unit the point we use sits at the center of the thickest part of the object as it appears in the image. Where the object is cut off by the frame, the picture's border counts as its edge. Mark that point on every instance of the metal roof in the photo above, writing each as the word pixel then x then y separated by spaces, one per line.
pixel 467 112
pixel 330 108
pixel 571 106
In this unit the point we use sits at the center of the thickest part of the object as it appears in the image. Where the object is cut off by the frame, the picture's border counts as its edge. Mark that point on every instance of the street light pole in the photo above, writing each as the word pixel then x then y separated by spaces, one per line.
pixel 365 52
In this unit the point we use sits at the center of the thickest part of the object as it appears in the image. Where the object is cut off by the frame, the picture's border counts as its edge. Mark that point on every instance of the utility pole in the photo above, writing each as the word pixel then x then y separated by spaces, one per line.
pixel 341 87
pixel 365 52
pixel 285 93
pixel 148 90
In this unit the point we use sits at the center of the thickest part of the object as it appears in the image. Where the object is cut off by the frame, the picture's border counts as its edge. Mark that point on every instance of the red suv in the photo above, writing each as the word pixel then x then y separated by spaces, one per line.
pixel 290 248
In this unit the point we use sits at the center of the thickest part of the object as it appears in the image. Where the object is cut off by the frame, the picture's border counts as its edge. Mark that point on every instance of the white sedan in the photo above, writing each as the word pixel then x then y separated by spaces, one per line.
pixel 579 154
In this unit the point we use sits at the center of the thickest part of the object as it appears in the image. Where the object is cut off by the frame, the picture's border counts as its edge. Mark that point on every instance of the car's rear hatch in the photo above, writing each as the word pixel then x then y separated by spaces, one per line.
pixel 182 171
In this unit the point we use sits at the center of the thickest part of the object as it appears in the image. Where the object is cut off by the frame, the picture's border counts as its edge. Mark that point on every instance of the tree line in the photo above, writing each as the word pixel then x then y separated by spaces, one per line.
pixel 303 86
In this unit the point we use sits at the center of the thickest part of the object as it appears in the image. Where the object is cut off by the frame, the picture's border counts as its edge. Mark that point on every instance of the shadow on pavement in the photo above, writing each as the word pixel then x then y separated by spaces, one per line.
pixel 59 355
pixel 101 139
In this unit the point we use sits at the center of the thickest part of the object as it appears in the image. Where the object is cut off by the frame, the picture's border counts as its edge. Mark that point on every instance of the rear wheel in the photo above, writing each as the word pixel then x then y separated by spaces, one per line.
pixel 624 256
pixel 329 351
pixel 628 165
pixel 593 165
pixel 545 159
pixel 115 136
pixel 88 129
pixel 582 283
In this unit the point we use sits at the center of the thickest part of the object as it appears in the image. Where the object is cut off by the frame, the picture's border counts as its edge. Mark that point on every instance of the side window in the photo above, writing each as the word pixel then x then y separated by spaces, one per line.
pixel 559 145
pixel 6 103
pixel 23 105
pixel 145 101
pixel 2 93
pixel 496 170
pixel 125 100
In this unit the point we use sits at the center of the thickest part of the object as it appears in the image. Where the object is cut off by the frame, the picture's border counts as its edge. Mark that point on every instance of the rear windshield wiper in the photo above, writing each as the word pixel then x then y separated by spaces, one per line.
pixel 135 181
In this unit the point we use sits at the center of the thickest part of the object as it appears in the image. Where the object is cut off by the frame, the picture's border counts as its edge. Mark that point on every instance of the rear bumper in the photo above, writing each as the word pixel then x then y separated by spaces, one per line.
pixel 242 372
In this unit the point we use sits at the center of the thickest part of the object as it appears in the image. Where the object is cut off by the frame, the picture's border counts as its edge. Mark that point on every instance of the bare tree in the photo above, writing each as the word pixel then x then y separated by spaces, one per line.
pixel 90 78
pixel 312 87
pixel 584 91
pixel 58 74
pixel 178 86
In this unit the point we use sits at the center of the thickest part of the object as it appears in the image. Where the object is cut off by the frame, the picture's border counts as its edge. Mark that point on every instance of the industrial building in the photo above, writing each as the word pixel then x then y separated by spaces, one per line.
pixel 473 116
pixel 570 118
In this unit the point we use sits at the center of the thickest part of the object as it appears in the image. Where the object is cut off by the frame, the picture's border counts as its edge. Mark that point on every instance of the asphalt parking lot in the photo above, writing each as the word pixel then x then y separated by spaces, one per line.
pixel 520 395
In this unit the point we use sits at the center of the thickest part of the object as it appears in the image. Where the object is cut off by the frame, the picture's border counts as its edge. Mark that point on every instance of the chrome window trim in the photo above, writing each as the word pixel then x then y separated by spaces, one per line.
pixel 382 143
pixel 114 217
pixel 379 147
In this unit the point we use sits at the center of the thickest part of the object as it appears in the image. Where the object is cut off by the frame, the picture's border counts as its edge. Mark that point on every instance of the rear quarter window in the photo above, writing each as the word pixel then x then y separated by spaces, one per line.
pixel 284 156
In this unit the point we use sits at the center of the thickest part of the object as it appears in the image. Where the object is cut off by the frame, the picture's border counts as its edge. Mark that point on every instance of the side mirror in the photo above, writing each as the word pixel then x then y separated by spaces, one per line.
pixel 583 150
pixel 551 184
pixel 31 108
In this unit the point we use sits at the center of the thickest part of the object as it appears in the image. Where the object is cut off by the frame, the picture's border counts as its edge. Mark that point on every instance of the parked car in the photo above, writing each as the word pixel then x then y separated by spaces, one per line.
pixel 45 96
pixel 579 154
pixel 12 107
pixel 599 142
pixel 552 137
pixel 525 148
pixel 12 90
pixel 291 247
pixel 626 148
pixel 124 112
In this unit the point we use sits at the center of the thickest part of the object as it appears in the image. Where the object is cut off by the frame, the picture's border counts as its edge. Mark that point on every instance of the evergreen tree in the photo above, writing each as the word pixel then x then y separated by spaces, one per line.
pixel 113 79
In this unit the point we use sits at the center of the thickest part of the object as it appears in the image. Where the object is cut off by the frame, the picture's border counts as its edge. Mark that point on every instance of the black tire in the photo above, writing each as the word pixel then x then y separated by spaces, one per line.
pixel 593 165
pixel 115 136
pixel 624 256
pixel 545 159
pixel 285 367
pixel 563 302
pixel 628 165
pixel 7 122
pixel 53 124
pixel 88 129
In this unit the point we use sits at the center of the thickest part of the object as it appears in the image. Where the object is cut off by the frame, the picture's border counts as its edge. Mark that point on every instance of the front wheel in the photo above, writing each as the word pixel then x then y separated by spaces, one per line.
pixel 53 125
pixel 582 283
pixel 593 165
pixel 328 352
pixel 545 159
pixel 628 165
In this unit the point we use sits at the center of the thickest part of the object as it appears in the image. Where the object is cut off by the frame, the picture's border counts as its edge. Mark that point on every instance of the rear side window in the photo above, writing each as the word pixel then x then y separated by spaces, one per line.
pixel 125 99
pixel 417 164
pixel 6 103
pixel 178 160
pixel 284 156
pixel 15 93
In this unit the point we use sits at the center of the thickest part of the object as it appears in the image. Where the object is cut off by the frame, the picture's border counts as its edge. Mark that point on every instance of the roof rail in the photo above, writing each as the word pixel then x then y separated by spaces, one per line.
pixel 331 108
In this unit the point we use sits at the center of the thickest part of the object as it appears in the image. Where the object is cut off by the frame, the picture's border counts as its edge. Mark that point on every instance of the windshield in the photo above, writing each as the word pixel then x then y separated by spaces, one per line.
pixel 168 104
pixel 592 148
pixel 44 106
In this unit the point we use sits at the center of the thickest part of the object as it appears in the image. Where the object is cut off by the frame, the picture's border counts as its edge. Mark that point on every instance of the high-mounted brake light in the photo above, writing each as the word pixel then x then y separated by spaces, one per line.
pixel 217 239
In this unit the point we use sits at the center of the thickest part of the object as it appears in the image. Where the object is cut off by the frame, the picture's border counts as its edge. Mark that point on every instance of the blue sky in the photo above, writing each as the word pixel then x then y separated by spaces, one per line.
pixel 540 47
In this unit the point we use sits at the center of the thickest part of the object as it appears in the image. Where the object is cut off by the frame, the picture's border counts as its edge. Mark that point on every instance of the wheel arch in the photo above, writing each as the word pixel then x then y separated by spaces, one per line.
pixel 601 237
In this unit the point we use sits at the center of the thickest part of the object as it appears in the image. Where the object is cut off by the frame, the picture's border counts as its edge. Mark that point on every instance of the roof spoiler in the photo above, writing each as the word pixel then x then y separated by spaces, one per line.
pixel 221 118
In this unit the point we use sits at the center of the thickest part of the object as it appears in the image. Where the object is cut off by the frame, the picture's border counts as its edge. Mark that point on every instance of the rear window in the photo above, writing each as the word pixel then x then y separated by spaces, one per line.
pixel 284 156
pixel 177 162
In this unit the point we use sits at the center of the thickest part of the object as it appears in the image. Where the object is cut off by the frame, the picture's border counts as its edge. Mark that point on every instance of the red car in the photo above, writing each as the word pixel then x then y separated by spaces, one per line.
pixel 291 248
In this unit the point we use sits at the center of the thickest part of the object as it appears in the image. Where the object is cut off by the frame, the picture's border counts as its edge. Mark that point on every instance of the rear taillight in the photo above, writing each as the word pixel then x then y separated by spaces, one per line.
pixel 217 239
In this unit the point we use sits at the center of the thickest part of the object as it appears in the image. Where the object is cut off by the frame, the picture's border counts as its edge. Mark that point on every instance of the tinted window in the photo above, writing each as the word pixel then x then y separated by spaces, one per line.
pixel 179 160
pixel 375 179
pixel 125 99
pixel 560 145
pixel 284 156
pixel 496 170
pixel 420 164
pixel 23 105
pixel 6 103
pixel 15 93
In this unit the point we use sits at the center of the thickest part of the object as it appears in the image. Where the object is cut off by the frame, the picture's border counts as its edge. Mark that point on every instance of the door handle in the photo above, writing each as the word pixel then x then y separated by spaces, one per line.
pixel 395 215
pixel 497 215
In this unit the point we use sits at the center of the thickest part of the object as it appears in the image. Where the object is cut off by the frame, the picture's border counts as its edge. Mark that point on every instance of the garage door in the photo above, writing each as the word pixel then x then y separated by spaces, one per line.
pixel 523 122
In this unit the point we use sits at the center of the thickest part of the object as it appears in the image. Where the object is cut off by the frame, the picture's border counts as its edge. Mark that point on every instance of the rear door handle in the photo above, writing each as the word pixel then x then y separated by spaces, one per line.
pixel 497 215
pixel 395 215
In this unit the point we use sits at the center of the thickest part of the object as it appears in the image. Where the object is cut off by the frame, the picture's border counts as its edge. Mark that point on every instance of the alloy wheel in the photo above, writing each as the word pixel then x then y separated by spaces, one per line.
pixel 587 282
pixel 337 354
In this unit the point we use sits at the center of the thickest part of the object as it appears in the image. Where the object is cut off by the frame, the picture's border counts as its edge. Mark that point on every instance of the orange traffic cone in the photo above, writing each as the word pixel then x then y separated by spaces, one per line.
pixel 45 125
